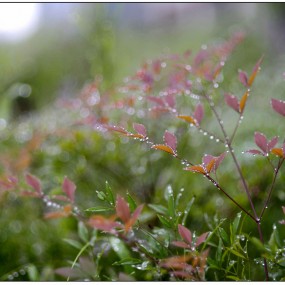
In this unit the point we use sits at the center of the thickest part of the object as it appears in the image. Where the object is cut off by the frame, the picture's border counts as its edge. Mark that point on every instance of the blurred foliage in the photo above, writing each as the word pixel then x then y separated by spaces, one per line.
pixel 40 137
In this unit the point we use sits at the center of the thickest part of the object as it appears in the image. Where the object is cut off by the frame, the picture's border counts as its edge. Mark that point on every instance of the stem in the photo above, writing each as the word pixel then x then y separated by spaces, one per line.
pixel 271 188
pixel 236 127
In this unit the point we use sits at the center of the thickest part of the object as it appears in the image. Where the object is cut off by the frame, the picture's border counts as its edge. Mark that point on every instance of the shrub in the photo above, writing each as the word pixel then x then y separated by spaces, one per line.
pixel 119 239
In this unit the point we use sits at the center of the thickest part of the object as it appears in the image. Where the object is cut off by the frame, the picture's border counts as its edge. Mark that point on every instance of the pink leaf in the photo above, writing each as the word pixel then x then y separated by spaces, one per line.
pixel 201 238
pixel 219 160
pixel 157 100
pixel 272 143
pixel 243 78
pixel 278 106
pixel 185 234
pixel 207 158
pixel 232 101
pixel 34 182
pixel 122 209
pixel 140 129
pixel 69 188
pixel 103 224
pixel 261 141
pixel 170 140
pixel 199 113
pixel 134 217
pixel 255 151
pixel 181 244
pixel 169 99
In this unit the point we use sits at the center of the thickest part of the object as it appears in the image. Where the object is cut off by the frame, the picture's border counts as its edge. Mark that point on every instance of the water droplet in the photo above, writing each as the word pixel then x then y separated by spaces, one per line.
pixel 217 140
pixel 188 67
pixel 221 122
pixel 205 133
pixel 22 272
pixel 211 137
pixel 49 203
pixel 216 85
pixel 15 274
pixel 10 277
pixel 274 227
pixel 204 47
pixel 163 64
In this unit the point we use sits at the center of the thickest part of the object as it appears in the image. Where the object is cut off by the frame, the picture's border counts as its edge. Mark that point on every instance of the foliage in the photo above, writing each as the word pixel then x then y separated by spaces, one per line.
pixel 159 234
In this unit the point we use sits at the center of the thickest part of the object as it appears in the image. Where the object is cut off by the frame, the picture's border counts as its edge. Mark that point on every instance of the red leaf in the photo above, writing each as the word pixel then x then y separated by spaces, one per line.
pixel 35 183
pixel 116 129
pixel 199 113
pixel 185 234
pixel 255 151
pixel 243 78
pixel 103 224
pixel 122 209
pixel 157 100
pixel 207 158
pixel 254 72
pixel 261 141
pixel 140 129
pixel 219 160
pixel 278 151
pixel 69 188
pixel 232 101
pixel 170 140
pixel 164 148
pixel 278 106
pixel 169 99
pixel 181 244
pixel 201 238
pixel 272 143
pixel 134 218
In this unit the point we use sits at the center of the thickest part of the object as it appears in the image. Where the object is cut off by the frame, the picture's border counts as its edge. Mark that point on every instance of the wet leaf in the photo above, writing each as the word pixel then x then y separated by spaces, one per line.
pixel 132 203
pixel 232 102
pixel 255 71
pixel 166 222
pixel 128 261
pixel 278 152
pixel 185 234
pixel 99 209
pixel 243 101
pixel 255 151
pixel 158 208
pixel 278 106
pixel 196 168
pixel 261 141
pixel 170 140
pixel 199 113
pixel 82 231
pixel 35 183
pixel 181 244
pixel 272 143
pixel 243 78
pixel 188 119
pixel 164 148
pixel 170 100
pixel 122 209
pixel 109 193
pixel 201 238
pixel 69 188
pixel 134 218
pixel 140 129
pixel 76 244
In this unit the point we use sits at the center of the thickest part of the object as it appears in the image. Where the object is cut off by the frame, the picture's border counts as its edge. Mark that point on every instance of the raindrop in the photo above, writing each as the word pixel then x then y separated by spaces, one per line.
pixel 201 131
pixel 222 63
pixel 22 272
pixel 15 274
pixel 211 137
pixel 221 122
pixel 217 140
pixel 242 152
pixel 274 227
pixel 188 67
pixel 10 277
pixel 216 85
pixel 204 47
pixel 205 133
pixel 49 203
pixel 163 64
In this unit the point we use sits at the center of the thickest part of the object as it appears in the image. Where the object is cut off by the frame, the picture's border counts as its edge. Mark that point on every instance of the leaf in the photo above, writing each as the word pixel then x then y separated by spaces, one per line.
pixel 243 78
pixel 119 247
pixel 82 231
pixel 278 106
pixel 170 100
pixel 109 193
pixel 103 224
pixel 122 209
pixel 196 168
pixel 261 141
pixel 201 238
pixel 132 203
pixel 134 218
pixel 255 151
pixel 185 234
pixel 74 243
pixel 235 252
pixel 99 209
pixel 272 143
pixel 210 165
pixel 224 235
pixel 140 129
pixel 157 100
pixel 199 113
pixel 158 208
pixel 188 119
pixel 69 188
pixel 283 209
pixel 236 223
pixel 255 71
pixel 232 101
pixel 67 210
pixel 128 261
pixel 278 152
pixel 243 101
pixel 164 148
pixel 164 221
pixel 35 183
pixel 181 244
pixel 170 140
pixel 116 129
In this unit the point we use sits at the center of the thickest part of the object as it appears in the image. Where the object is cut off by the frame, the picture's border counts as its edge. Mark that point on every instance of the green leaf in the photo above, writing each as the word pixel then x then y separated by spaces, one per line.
pixel 236 223
pixel 258 244
pixel 233 277
pixel 166 222
pixel 82 231
pixel 219 251
pixel 99 209
pixel 224 235
pixel 187 210
pixel 109 194
pixel 128 261
pixel 235 252
pixel 132 203
pixel 171 206
pixel 158 208
pixel 119 247
pixel 101 195
pixel 33 273
pixel 73 243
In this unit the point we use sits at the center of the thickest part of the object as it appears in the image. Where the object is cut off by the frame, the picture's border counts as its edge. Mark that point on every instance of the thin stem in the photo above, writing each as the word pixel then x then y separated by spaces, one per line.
pixel 232 154
pixel 232 199
pixel 236 127
pixel 271 188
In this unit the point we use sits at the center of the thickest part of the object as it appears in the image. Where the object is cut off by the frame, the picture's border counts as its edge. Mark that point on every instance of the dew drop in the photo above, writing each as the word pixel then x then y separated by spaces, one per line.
pixel 205 133
pixel 274 227
pixel 211 137
pixel 204 47
pixel 15 274
pixel 10 277
pixel 217 140
pixel 221 122
pixel 22 272
pixel 216 85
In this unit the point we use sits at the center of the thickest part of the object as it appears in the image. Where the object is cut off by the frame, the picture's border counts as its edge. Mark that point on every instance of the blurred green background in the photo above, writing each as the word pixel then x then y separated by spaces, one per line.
pixel 69 45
